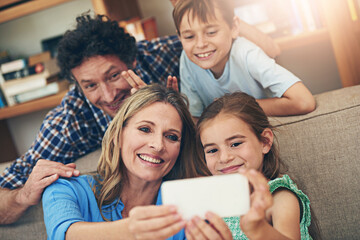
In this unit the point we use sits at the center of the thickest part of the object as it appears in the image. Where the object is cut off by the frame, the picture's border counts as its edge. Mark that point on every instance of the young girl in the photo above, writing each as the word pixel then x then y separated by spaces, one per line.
pixel 234 135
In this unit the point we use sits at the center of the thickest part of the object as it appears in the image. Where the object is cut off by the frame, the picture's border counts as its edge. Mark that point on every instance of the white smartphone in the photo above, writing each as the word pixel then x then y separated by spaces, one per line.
pixel 226 195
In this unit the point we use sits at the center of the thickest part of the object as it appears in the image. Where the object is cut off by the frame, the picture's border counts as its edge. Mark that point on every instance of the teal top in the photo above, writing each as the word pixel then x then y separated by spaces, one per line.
pixel 283 182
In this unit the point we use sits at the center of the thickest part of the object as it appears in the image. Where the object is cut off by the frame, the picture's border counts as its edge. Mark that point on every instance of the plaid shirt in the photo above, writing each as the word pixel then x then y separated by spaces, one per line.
pixel 76 127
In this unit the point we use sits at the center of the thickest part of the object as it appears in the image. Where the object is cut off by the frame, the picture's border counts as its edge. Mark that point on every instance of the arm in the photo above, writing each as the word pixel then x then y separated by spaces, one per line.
pixel 15 202
pixel 53 142
pixel 266 43
pixel 296 100
pixel 145 222
pixel 282 210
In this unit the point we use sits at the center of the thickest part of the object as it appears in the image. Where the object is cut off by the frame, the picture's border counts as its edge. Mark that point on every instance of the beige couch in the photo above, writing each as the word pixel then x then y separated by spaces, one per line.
pixel 322 151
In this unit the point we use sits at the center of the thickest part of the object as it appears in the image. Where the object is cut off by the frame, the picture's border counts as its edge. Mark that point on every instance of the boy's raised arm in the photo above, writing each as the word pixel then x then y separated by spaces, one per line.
pixel 266 43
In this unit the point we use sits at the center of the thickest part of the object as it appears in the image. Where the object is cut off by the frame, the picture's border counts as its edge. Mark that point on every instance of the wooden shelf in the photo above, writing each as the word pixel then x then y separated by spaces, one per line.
pixel 303 39
pixel 32 106
pixel 26 8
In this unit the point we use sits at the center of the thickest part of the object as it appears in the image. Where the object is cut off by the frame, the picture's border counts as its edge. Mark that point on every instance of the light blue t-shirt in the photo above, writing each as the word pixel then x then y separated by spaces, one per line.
pixel 72 200
pixel 248 70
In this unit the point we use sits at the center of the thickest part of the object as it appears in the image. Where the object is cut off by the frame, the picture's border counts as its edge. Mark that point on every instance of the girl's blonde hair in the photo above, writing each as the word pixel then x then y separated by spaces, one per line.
pixel 244 107
pixel 111 172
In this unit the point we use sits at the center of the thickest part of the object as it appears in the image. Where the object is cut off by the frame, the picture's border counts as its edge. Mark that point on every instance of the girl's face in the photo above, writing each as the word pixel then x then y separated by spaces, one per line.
pixel 150 142
pixel 230 144
pixel 207 44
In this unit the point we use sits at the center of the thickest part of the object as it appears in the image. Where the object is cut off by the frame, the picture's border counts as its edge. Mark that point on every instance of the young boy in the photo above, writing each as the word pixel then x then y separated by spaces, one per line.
pixel 216 62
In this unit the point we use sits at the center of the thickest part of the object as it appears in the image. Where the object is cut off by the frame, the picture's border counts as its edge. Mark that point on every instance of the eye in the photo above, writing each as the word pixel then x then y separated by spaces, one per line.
pixel 236 144
pixel 213 150
pixel 115 76
pixel 212 32
pixel 173 137
pixel 90 86
pixel 188 37
pixel 145 129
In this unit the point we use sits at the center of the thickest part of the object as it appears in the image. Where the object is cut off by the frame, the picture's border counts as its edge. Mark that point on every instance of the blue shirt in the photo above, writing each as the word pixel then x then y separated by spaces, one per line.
pixel 72 200
pixel 76 127
pixel 248 69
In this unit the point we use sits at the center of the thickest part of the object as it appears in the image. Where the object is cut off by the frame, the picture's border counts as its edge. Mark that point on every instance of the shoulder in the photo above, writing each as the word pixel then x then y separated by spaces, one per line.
pixel 75 186
pixel 165 42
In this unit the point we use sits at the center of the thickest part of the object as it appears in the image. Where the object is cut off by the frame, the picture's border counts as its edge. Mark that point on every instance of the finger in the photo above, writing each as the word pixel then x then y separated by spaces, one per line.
pixel 175 84
pixel 152 211
pixel 127 77
pixel 172 83
pixel 219 225
pixel 138 82
pixel 156 223
pixel 164 233
pixel 45 168
pixel 194 231
pixel 43 183
pixel 209 231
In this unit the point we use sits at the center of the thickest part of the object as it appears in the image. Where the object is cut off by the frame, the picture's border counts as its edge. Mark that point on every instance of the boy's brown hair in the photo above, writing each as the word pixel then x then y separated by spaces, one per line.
pixel 204 10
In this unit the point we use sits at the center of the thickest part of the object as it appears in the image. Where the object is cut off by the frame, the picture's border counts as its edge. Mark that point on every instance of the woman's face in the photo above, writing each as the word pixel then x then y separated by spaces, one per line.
pixel 150 142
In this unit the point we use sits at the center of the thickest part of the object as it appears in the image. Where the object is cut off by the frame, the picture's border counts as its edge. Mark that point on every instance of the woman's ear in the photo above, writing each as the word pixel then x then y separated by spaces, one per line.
pixel 267 140
pixel 134 63
pixel 235 30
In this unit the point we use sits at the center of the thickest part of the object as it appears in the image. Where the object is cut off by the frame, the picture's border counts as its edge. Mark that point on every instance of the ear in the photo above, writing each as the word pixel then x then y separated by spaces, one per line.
pixel 235 31
pixel 267 140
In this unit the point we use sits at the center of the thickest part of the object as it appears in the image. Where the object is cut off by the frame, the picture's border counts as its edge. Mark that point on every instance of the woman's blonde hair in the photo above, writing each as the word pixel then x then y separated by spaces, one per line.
pixel 111 171
pixel 244 107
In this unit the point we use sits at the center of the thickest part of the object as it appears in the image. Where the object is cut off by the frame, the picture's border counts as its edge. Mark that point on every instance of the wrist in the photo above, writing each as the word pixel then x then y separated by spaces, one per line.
pixel 258 230
pixel 20 199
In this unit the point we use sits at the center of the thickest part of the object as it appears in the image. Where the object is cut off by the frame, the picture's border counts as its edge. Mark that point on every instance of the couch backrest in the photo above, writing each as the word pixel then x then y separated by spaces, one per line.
pixel 322 151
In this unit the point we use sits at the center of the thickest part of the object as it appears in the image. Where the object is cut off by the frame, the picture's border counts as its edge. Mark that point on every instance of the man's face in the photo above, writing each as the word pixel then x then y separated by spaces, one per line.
pixel 100 79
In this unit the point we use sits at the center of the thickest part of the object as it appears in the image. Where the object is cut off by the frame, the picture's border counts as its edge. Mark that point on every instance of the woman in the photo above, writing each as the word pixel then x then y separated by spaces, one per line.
pixel 151 139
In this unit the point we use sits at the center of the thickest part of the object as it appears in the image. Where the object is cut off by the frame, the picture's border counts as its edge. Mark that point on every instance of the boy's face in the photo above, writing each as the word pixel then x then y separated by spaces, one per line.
pixel 207 44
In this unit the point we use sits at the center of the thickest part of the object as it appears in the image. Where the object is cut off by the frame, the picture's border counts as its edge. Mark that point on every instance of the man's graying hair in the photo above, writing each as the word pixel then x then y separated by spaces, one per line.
pixel 98 36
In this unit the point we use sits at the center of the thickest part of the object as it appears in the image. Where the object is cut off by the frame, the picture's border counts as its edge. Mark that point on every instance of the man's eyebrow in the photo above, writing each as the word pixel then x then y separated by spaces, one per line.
pixel 107 72
pixel 110 68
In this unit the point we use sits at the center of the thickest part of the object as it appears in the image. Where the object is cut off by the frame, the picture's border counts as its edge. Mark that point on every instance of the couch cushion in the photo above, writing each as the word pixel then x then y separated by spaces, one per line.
pixel 322 152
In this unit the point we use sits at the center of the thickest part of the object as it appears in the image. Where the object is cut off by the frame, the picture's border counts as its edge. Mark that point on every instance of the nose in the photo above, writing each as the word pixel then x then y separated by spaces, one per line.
pixel 157 143
pixel 108 92
pixel 226 156
pixel 201 42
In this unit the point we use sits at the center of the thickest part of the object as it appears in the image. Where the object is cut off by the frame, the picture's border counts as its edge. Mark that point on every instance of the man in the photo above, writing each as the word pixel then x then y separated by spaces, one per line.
pixel 93 55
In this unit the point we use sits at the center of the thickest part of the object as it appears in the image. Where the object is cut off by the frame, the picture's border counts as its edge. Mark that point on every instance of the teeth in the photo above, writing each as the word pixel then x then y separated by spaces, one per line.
pixel 202 55
pixel 150 159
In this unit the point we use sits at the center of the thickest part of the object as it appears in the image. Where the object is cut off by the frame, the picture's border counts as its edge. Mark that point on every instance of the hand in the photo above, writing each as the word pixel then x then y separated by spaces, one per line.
pixel 172 82
pixel 44 173
pixel 135 82
pixel 154 222
pixel 197 228
pixel 260 200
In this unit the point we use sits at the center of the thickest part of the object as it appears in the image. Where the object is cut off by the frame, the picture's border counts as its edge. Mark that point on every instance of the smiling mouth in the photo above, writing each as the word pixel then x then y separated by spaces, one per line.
pixel 150 159
pixel 231 168
pixel 204 55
